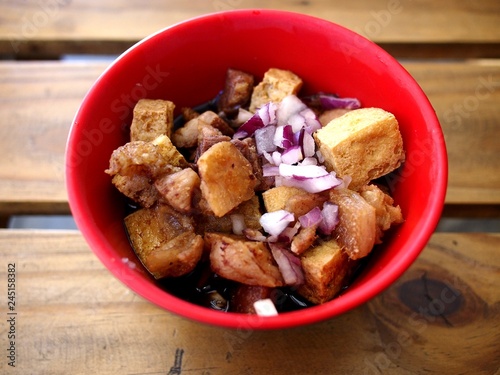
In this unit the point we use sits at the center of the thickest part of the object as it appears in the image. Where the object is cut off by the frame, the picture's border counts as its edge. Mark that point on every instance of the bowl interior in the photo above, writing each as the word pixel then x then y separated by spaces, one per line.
pixel 186 64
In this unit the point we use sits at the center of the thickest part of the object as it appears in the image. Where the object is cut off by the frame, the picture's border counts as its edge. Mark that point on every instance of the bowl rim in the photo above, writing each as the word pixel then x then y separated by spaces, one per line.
pixel 349 301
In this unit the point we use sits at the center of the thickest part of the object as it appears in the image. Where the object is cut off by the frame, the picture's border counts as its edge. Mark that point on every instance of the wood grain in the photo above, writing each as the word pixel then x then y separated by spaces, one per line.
pixel 404 27
pixel 74 317
pixel 38 101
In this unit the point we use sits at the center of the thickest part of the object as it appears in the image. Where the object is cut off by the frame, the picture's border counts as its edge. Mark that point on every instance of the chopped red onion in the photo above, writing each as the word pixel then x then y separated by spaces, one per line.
pixel 310 184
pixel 264 116
pixel 275 222
pixel 267 113
pixel 302 171
pixel 265 307
pixel 330 218
pixel 308 145
pixel 312 218
pixel 242 117
pixel 297 122
pixel 288 264
pixel 264 139
pixel 276 157
pixel 331 101
pixel 270 170
pixel 309 161
pixel 288 106
pixel 238 223
pixel 292 155
pixel 311 120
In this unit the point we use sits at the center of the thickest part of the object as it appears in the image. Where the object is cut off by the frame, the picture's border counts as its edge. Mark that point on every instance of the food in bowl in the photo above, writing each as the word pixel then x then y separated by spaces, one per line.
pixel 259 192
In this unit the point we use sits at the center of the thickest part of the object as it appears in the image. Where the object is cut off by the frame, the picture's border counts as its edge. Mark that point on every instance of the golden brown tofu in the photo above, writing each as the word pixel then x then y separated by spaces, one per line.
pixel 275 85
pixel 326 271
pixel 250 211
pixel 152 118
pixel 291 199
pixel 387 214
pixel 364 144
pixel 247 262
pixel 227 177
pixel 164 241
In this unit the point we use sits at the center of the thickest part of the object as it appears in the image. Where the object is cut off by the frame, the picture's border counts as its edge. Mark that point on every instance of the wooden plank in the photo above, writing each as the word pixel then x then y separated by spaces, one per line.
pixel 38 102
pixel 405 27
pixel 74 317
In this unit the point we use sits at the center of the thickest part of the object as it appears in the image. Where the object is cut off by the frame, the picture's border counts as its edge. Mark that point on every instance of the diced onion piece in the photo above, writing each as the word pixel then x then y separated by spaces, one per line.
pixel 264 139
pixel 329 101
pixel 288 264
pixel 263 117
pixel 308 145
pixel 312 218
pixel 292 155
pixel 267 113
pixel 311 185
pixel 330 219
pixel 270 170
pixel 302 171
pixel 311 120
pixel 288 106
pixel 238 223
pixel 265 307
pixel 275 222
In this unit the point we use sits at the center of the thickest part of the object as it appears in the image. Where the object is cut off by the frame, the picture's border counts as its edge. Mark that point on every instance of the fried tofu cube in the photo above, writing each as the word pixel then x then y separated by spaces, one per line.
pixel 152 118
pixel 364 144
pixel 227 177
pixel 291 199
pixel 169 152
pixel 164 241
pixel 249 210
pixel 275 85
pixel 326 271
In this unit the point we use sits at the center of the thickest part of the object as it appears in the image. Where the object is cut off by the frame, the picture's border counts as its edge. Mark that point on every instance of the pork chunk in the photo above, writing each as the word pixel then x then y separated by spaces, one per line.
pixel 243 261
pixel 387 214
pixel 179 189
pixel 356 230
pixel 237 92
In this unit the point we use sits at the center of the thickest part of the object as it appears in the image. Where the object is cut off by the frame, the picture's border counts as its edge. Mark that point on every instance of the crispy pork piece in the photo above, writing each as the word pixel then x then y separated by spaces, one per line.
pixel 275 85
pixel 135 165
pixel 356 230
pixel 364 144
pixel 227 177
pixel 248 149
pixel 387 214
pixel 247 262
pixel 291 199
pixel 326 271
pixel 303 240
pixel 187 135
pixel 179 189
pixel 237 92
pixel 326 116
pixel 152 118
pixel 164 240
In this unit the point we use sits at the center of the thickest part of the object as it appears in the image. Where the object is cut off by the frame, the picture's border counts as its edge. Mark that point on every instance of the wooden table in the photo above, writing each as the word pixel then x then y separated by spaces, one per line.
pixel 74 317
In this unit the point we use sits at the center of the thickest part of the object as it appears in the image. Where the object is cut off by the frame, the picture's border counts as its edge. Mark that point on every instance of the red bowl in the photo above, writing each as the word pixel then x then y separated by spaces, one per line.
pixel 186 63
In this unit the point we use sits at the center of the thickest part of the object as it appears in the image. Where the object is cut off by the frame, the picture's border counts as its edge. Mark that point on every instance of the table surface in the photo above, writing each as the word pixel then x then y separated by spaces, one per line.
pixel 73 316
